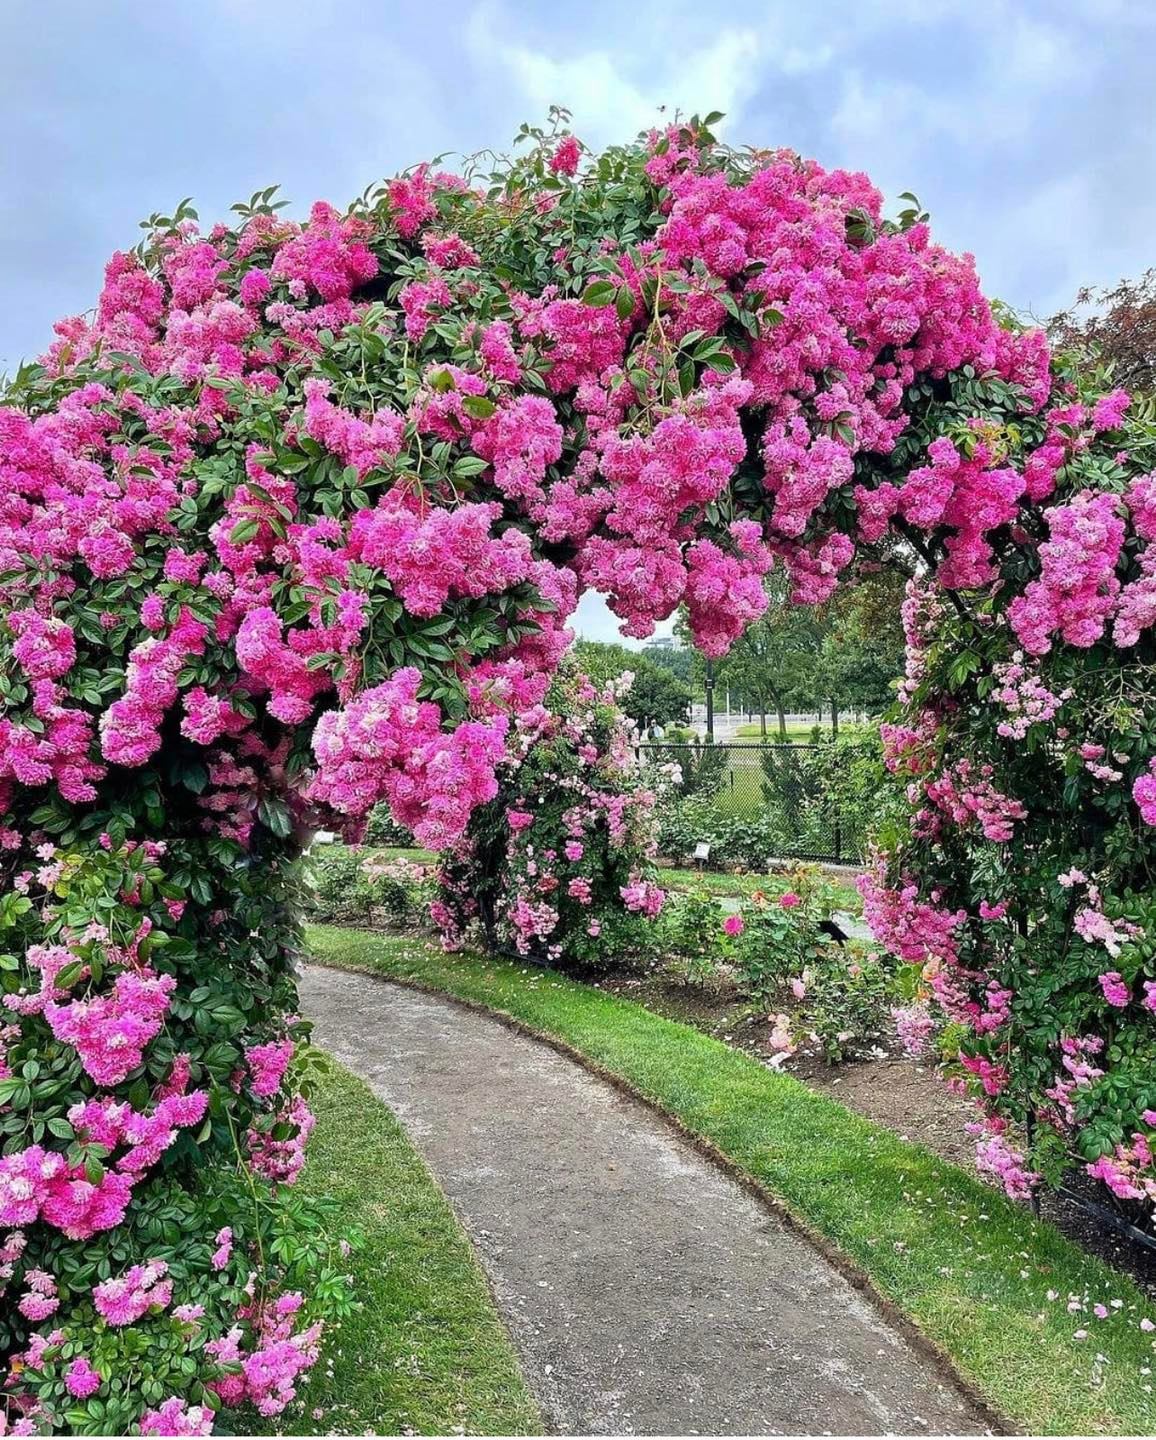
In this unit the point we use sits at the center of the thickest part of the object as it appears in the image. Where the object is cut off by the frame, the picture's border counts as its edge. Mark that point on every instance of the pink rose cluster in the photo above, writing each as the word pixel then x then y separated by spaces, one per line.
pixel 580 835
pixel 38 1184
pixel 127 1297
pixel 267 1065
pixel 111 1031
pixel 388 744
pixel 266 1373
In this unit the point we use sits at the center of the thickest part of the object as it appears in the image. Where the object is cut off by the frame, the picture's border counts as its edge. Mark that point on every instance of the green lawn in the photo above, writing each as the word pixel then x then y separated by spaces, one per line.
pixel 797 733
pixel 744 884
pixel 971 1269
pixel 425 1351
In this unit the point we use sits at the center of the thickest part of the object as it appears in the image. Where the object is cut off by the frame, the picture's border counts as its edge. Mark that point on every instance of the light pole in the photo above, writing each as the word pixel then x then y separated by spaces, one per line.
pixel 710 702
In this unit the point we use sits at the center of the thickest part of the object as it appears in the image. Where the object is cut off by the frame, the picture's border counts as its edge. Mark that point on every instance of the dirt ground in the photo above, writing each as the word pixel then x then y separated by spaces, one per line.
pixel 891 1090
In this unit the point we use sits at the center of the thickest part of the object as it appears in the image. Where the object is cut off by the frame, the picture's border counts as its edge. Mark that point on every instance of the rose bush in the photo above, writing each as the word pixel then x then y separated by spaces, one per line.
pixel 153 1261
pixel 560 865
pixel 292 524
pixel 364 886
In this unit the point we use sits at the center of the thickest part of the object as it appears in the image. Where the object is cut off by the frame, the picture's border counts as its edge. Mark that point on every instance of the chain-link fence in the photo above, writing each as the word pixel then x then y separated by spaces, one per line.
pixel 784 790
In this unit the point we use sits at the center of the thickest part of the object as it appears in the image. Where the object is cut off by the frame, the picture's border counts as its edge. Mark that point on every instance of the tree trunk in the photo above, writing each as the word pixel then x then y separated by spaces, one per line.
pixel 834 720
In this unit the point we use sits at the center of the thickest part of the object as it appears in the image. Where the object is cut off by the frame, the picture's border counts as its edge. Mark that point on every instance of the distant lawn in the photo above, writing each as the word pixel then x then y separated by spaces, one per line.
pixel 797 733
pixel 425 1352
pixel 972 1270
pixel 746 883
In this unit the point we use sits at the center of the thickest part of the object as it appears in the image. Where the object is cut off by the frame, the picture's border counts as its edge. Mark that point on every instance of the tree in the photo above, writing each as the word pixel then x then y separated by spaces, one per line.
pixel 655 697
pixel 1117 325
pixel 845 653
pixel 860 655
pixel 773 663
pixel 678 659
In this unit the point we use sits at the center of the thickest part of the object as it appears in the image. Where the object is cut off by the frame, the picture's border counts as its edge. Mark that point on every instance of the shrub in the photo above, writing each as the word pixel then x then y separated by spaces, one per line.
pixel 839 996
pixel 560 866
pixel 734 840
pixel 848 775
pixel 692 935
pixel 678 735
pixel 848 1001
pixel 401 889
pixel 153 1116
pixel 1016 877
pixel 360 886
pixel 783 934
pixel 342 891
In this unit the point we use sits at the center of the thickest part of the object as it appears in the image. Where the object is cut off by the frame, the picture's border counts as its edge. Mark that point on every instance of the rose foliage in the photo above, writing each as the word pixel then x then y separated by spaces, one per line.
pixel 292 524
pixel 560 865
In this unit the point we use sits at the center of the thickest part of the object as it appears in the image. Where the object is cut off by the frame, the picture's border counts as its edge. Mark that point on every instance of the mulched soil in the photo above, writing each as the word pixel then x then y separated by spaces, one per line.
pixel 891 1090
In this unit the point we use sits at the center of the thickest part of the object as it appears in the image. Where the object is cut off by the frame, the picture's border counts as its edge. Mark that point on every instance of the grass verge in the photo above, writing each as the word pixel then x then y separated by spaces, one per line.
pixel 971 1270
pixel 425 1351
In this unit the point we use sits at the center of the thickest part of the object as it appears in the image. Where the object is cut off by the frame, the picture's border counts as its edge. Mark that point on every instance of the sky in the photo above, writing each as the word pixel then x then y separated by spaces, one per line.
pixel 1024 126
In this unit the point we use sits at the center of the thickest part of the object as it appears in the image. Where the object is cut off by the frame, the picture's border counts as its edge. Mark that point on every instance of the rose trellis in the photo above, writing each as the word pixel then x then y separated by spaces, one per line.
pixel 292 524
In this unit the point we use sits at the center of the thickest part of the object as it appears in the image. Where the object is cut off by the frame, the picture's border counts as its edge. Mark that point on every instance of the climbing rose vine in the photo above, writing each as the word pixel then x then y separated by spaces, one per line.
pixel 292 523
pixel 560 865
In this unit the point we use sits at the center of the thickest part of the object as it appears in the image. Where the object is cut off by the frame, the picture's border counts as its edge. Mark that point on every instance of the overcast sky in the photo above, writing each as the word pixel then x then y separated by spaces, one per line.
pixel 1025 126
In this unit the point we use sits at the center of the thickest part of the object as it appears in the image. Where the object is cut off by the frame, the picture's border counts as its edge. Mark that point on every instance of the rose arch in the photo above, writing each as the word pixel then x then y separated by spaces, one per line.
pixel 292 524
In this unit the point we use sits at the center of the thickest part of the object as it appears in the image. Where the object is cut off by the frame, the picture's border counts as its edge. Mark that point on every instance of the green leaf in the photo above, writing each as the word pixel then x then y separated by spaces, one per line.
pixel 274 814
pixel 470 465
pixel 478 406
pixel 600 292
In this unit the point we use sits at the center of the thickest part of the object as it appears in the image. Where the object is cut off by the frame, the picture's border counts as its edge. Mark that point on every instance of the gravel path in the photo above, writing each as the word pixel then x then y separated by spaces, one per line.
pixel 646 1291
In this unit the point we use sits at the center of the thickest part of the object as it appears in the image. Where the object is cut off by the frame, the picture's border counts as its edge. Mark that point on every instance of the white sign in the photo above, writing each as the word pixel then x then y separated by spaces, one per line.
pixel 702 851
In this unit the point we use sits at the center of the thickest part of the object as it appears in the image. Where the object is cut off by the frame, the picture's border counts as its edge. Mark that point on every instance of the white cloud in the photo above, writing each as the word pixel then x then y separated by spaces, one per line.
pixel 611 102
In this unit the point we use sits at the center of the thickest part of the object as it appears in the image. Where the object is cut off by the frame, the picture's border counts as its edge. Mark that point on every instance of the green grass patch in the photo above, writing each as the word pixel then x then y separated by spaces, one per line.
pixel 971 1269
pixel 746 883
pixel 797 733
pixel 406 852
pixel 425 1350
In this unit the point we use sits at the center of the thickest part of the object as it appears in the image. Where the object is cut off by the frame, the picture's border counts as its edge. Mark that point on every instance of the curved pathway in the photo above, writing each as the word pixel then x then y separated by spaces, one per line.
pixel 645 1290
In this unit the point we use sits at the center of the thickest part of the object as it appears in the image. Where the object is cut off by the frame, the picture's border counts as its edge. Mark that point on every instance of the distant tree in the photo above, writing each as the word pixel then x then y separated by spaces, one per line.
pixel 1117 325
pixel 772 664
pixel 840 656
pixel 861 651
pixel 656 697
pixel 678 659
